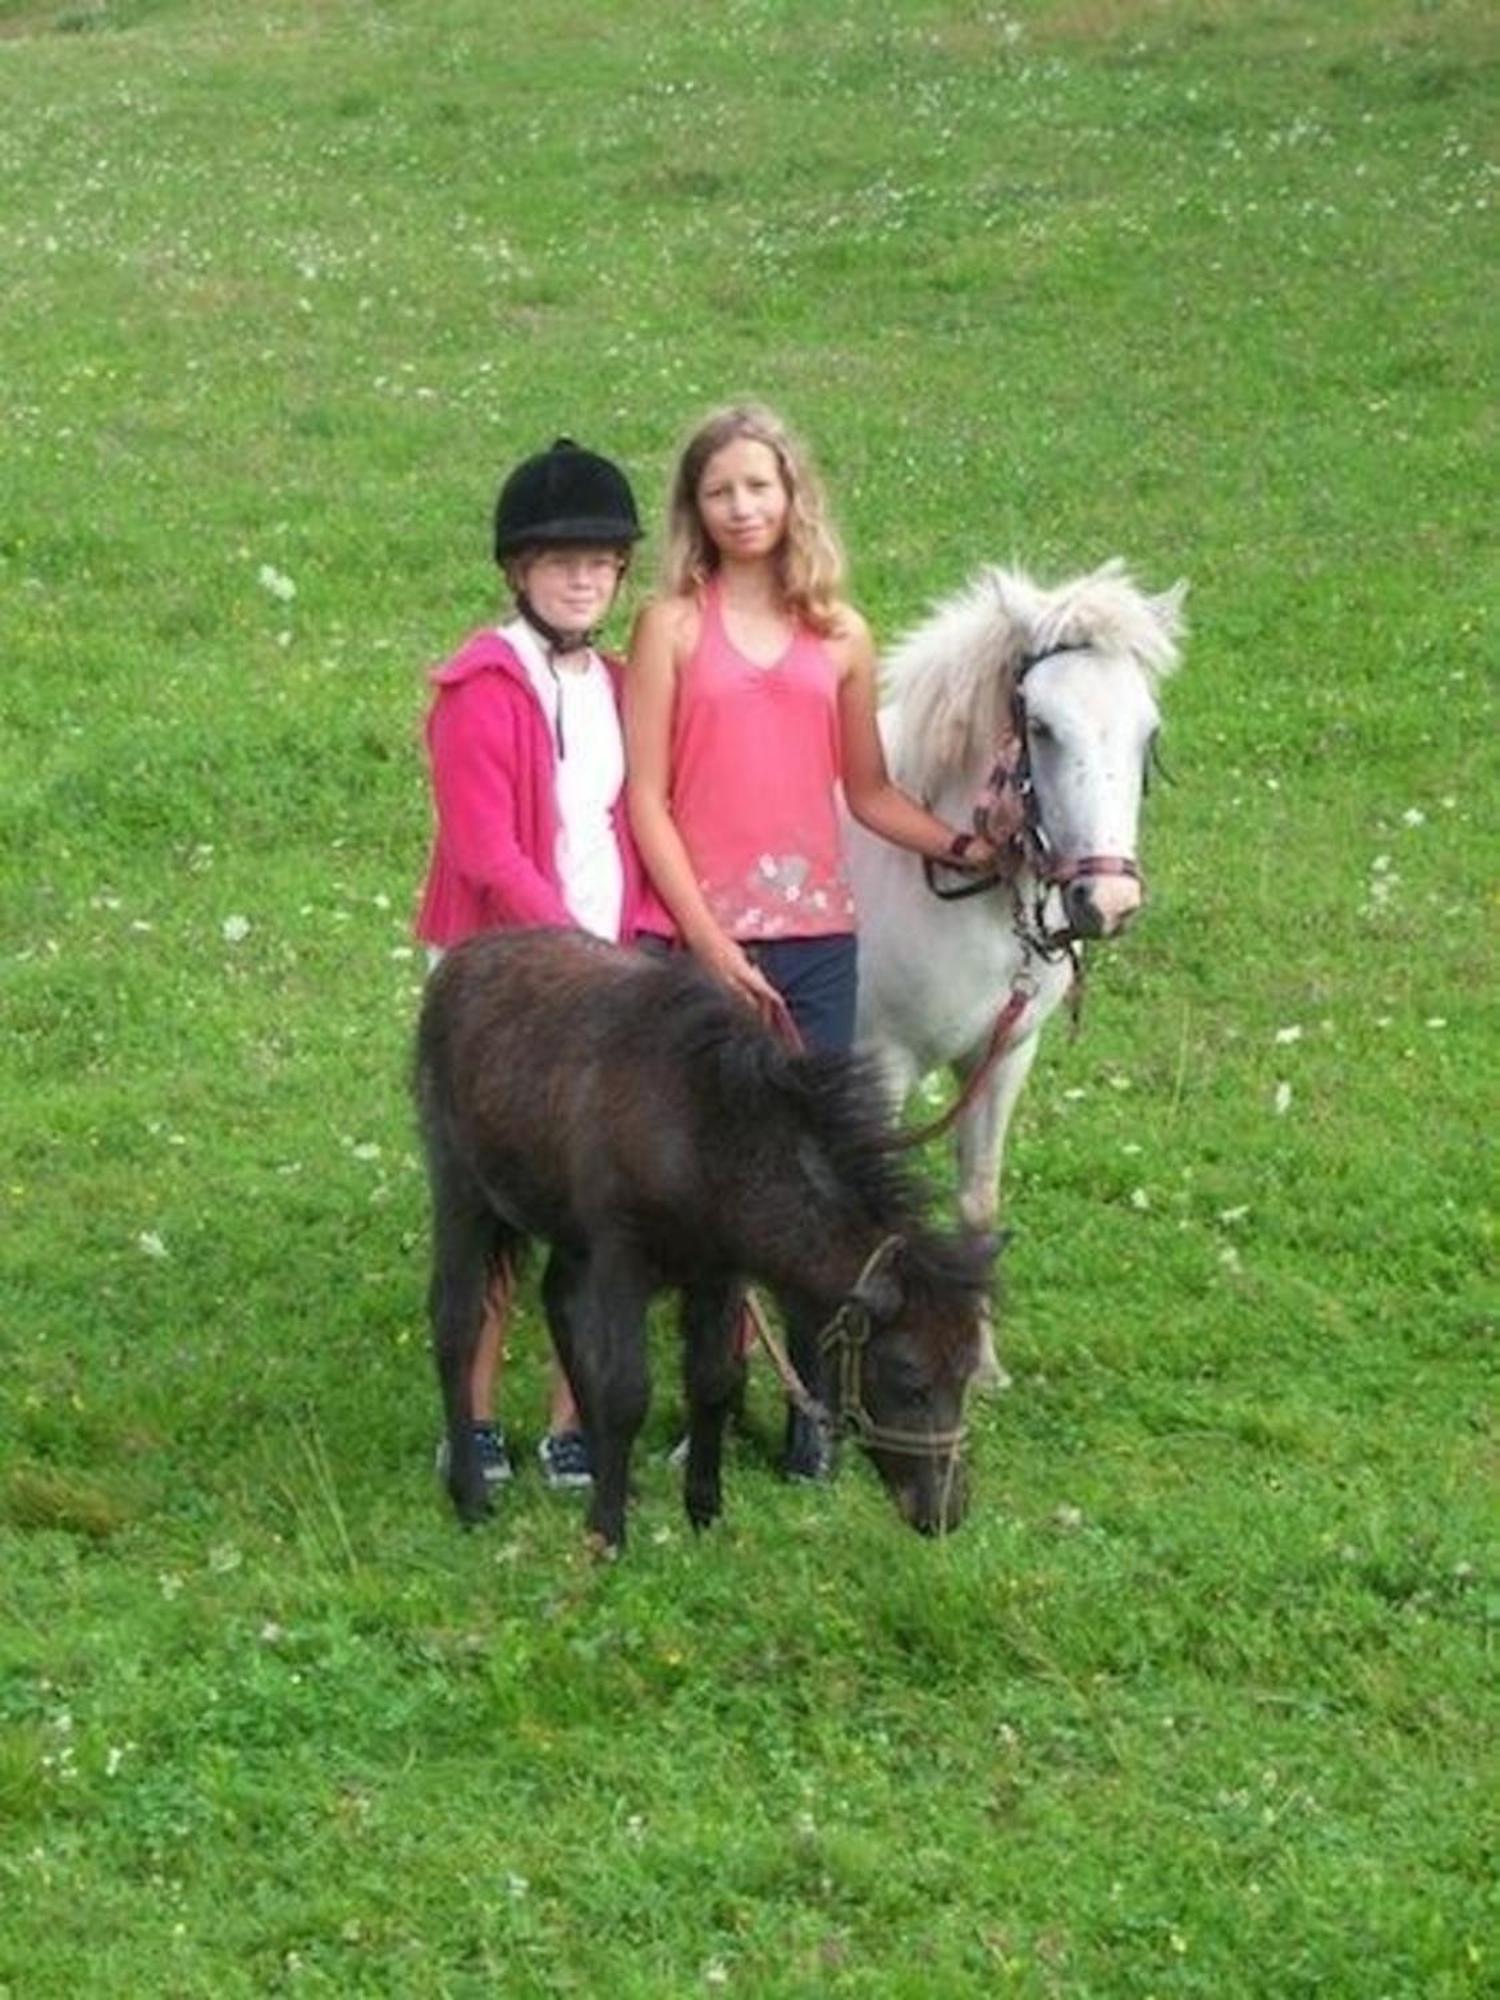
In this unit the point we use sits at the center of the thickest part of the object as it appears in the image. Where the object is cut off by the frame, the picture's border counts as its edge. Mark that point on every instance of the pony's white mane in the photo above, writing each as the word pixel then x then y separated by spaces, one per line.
pixel 950 679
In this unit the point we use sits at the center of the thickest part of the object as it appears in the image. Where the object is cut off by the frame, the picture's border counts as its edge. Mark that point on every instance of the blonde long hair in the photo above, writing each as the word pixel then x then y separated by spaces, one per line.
pixel 809 562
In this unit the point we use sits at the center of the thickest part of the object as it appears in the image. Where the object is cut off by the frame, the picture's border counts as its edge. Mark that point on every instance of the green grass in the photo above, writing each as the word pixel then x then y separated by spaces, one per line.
pixel 1201 1700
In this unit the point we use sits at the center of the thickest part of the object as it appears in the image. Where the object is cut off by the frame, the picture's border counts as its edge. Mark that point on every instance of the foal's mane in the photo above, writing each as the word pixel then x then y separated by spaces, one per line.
pixel 951 679
pixel 838 1103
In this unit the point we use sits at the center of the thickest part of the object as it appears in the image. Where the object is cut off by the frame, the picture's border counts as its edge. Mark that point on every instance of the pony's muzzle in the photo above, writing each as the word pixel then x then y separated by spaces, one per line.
pixel 1100 906
pixel 935 1503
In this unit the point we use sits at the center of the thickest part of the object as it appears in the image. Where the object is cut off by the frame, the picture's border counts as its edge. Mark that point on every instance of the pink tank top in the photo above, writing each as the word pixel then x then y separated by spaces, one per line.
pixel 755 766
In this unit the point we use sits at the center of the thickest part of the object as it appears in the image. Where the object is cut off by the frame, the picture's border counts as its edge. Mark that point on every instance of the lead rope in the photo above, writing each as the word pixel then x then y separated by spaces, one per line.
pixel 796 1389
pixel 1003 1037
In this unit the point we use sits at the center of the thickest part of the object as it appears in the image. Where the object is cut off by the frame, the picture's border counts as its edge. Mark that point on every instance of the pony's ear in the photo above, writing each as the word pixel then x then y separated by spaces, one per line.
pixel 1168 608
pixel 879 1294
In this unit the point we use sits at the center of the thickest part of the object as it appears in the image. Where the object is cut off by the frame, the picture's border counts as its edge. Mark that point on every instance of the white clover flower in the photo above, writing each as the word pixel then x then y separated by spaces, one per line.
pixel 1286 1036
pixel 235 929
pixel 149 1243
pixel 277 584
pixel 1283 1098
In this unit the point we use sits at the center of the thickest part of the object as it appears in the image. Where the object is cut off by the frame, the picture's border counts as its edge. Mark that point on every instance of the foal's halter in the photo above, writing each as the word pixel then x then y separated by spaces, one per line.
pixel 845 1337
pixel 1008 815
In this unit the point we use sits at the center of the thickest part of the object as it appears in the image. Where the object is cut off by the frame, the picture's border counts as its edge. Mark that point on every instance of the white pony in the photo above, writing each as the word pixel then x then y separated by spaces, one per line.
pixel 1032 715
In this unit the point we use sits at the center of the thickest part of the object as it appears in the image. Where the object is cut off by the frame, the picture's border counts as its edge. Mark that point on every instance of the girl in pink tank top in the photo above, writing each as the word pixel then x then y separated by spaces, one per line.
pixel 764 846
pixel 750 699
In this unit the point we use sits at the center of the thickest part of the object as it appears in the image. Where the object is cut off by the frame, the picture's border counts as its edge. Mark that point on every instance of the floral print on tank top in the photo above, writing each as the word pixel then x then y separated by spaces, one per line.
pixel 755 784
pixel 781 897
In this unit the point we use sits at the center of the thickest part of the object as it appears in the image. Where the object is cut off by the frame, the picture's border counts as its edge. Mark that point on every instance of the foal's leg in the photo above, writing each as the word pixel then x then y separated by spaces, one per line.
pixel 596 1307
pixel 464 1246
pixel 714 1377
pixel 979 1143
pixel 808 1451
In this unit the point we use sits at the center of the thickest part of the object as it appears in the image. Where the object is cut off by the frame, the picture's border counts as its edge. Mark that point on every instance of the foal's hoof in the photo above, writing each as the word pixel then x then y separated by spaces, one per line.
pixel 809 1453
pixel 601 1549
pixel 702 1512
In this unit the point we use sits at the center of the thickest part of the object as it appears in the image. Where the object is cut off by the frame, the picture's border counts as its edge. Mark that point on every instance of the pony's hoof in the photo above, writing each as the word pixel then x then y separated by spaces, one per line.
pixel 989 1373
pixel 702 1513
pixel 991 1377
pixel 600 1547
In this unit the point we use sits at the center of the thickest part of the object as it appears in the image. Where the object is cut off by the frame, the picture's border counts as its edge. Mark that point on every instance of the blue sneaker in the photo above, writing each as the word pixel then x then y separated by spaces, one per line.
pixel 494 1457
pixel 565 1462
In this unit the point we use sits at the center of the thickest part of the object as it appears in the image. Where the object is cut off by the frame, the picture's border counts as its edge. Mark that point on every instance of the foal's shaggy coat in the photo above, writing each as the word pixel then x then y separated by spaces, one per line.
pixel 640 1121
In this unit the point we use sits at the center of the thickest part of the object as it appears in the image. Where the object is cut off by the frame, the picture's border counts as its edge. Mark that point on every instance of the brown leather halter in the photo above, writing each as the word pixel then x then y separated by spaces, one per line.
pixel 1009 817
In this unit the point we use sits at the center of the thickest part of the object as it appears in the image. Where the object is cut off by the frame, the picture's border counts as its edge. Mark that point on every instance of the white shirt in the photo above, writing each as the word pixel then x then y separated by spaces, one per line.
pixel 578 701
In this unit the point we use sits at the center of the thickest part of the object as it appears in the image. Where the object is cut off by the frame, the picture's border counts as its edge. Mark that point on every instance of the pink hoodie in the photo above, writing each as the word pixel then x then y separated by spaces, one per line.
pixel 494 785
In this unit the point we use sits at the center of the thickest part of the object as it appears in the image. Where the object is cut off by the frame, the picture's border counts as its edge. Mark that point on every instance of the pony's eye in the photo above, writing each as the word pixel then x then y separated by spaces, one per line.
pixel 907 1381
pixel 1040 733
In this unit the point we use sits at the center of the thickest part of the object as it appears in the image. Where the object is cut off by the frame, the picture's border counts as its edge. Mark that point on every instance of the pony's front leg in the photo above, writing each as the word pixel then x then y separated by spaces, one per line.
pixel 714 1378
pixel 979 1145
pixel 599 1327
pixel 896 1072
pixel 808 1450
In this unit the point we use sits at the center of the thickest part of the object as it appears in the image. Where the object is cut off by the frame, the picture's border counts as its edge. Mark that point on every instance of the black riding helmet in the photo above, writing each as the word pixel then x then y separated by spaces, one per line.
pixel 561 495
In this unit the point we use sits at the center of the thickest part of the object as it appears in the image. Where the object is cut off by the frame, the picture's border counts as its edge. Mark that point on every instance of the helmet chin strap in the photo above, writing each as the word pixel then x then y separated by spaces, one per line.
pixel 556 638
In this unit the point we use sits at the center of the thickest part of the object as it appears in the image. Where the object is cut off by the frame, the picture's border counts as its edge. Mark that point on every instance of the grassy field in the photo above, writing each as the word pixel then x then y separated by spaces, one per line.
pixel 1202 1700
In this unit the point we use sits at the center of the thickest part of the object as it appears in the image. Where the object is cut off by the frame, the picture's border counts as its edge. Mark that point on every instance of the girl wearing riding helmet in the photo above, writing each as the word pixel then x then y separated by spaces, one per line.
pixel 527 762
pixel 750 703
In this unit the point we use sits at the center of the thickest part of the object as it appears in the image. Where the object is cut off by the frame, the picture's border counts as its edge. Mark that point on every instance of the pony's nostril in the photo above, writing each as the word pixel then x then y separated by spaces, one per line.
pixel 1084 914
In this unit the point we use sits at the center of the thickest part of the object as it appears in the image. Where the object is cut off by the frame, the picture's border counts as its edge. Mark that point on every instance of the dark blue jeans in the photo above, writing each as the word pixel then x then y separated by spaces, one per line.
pixel 817 978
